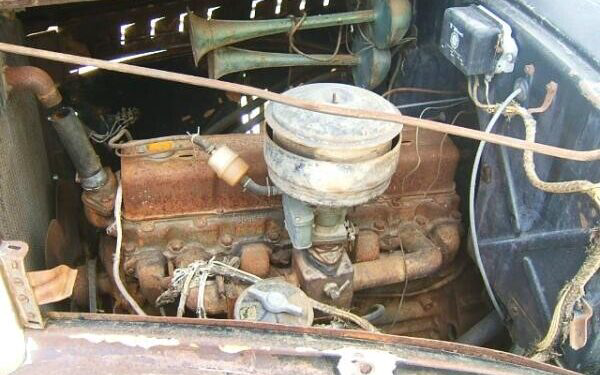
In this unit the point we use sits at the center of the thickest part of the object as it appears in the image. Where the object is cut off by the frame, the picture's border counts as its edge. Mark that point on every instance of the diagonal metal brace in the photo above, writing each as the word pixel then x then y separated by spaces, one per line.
pixel 12 256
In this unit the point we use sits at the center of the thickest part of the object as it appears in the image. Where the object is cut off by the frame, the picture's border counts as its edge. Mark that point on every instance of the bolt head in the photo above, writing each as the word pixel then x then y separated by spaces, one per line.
pixel 273 235
pixel 129 247
pixel 147 226
pixel 175 245
pixel 379 224
pixel 420 220
pixel 226 240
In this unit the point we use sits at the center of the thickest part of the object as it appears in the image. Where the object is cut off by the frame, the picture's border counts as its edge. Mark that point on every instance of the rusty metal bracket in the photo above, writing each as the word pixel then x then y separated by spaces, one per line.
pixel 12 256
pixel 578 329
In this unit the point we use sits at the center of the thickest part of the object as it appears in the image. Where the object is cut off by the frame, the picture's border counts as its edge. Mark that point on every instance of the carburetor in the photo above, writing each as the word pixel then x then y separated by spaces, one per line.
pixel 325 164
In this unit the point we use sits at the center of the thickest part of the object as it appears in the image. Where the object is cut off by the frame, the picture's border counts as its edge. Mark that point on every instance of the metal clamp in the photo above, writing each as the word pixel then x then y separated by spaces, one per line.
pixel 12 256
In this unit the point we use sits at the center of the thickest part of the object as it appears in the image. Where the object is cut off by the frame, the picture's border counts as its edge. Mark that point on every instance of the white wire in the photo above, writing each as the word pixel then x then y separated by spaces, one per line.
pixel 488 129
pixel 117 260
pixel 200 310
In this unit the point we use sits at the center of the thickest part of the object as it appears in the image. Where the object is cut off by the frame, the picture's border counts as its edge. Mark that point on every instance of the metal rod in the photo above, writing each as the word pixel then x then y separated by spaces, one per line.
pixel 305 104
pixel 432 102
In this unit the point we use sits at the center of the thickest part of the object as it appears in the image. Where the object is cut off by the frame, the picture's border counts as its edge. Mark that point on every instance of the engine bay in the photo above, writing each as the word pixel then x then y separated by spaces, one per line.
pixel 309 164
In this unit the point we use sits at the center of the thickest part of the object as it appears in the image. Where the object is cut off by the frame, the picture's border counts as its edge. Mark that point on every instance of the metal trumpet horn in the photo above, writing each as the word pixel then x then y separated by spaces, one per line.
pixel 388 21
pixel 370 65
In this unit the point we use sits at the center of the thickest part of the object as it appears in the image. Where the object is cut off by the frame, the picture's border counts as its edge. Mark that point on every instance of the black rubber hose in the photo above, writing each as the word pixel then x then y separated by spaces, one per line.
pixel 482 332
pixel 377 312
pixel 73 137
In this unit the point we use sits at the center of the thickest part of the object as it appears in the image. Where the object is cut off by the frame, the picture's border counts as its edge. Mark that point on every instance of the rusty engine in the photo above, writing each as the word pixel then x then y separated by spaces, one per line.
pixel 343 214
pixel 334 168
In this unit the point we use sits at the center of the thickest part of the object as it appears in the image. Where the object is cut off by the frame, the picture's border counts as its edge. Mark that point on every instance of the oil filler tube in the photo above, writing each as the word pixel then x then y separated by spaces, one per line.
pixel 72 135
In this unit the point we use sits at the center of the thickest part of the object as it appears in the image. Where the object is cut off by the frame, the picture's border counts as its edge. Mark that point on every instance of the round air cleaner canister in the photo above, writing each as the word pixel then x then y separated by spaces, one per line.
pixel 331 160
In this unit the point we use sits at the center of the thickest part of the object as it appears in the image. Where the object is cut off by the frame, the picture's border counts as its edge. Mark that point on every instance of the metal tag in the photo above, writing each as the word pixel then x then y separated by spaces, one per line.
pixel 578 329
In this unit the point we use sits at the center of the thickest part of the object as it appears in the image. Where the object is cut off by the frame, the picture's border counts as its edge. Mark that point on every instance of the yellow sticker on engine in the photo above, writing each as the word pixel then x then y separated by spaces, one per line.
pixel 160 146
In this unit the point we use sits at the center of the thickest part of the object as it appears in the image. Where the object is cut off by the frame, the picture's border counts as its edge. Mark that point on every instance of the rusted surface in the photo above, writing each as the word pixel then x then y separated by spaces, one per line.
pixel 12 267
pixel 442 306
pixel 99 204
pixel 313 279
pixel 56 244
pixel 178 211
pixel 52 285
pixel 367 247
pixel 150 270
pixel 183 184
pixel 420 258
pixel 36 80
pixel 255 259
pixel 216 303
pixel 99 344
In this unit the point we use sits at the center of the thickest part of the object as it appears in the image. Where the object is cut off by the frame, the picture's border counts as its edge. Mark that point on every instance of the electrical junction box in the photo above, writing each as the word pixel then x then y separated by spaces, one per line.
pixel 477 42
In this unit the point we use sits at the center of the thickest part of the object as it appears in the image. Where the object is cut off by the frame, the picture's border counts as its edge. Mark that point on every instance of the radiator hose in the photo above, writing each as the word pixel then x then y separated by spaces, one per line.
pixel 73 137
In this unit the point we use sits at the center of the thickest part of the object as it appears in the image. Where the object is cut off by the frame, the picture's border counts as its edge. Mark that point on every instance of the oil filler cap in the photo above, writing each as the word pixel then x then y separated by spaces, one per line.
pixel 274 301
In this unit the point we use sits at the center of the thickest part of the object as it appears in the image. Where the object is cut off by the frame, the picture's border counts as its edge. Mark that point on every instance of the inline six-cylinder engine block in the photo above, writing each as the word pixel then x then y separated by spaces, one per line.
pixel 355 210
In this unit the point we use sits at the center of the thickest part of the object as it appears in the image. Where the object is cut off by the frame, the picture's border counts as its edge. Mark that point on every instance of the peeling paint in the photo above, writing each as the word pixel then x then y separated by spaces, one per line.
pixel 233 349
pixel 354 361
pixel 30 347
pixel 302 349
pixel 128 340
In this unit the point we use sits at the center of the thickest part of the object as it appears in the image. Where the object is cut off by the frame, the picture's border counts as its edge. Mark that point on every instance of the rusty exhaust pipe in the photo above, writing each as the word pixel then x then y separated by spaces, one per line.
pixel 35 80
pixel 421 259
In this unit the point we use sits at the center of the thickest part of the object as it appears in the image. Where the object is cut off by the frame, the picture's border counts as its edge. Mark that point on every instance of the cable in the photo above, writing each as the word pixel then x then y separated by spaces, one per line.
pixel 461 99
pixel 220 268
pixel 296 26
pixel 574 289
pixel 416 167
pixel 343 314
pixel 185 290
pixel 403 289
pixel 488 129
pixel 418 90
pixel 117 260
pixel 442 142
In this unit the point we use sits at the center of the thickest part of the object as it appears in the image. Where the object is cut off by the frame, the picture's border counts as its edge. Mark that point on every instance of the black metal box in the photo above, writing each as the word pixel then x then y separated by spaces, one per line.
pixel 470 40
